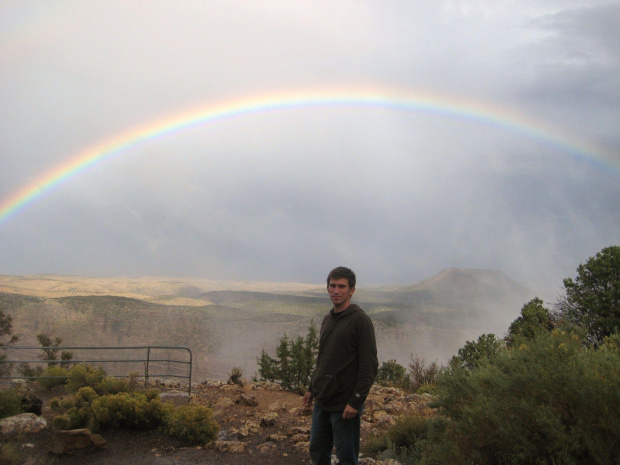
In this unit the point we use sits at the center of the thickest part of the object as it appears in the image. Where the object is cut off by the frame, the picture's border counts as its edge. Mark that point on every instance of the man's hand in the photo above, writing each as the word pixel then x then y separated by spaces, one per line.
pixel 307 399
pixel 349 412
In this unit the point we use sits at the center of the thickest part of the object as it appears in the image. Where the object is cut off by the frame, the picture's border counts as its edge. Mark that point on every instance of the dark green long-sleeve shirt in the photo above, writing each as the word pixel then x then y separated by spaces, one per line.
pixel 347 361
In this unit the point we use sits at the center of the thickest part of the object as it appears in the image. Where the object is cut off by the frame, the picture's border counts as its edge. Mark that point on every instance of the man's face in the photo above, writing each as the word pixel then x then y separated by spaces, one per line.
pixel 339 292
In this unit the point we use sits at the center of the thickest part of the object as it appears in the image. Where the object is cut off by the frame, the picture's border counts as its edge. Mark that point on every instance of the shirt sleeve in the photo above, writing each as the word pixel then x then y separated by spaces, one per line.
pixel 368 363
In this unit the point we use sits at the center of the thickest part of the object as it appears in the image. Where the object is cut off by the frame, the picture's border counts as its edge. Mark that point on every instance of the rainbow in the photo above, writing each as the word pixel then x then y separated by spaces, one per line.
pixel 424 102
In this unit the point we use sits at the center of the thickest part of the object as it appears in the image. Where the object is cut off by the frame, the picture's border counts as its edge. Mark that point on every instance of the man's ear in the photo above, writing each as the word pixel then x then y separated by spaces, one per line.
pixel 352 290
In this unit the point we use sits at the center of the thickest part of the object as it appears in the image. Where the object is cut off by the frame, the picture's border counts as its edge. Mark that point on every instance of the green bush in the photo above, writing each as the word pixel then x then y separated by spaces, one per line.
pixel 391 373
pixel 473 354
pixel 53 376
pixel 134 411
pixel 592 299
pixel 10 403
pixel 421 374
pixel 294 362
pixel 234 377
pixel 85 375
pixel 191 423
pixel 408 440
pixel 125 411
pixel 549 401
pixel 61 422
pixel 428 388
pixel 112 385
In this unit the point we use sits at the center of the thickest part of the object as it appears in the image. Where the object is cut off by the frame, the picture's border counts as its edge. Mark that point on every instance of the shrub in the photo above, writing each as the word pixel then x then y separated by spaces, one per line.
pixel 294 362
pixel 85 375
pixel 534 318
pixel 125 410
pixel 234 377
pixel 6 329
pixel 191 423
pixel 53 376
pixel 112 385
pixel 134 411
pixel 473 354
pixel 61 422
pixel 549 401
pixel 391 373
pixel 421 374
pixel 407 440
pixel 592 299
pixel 10 403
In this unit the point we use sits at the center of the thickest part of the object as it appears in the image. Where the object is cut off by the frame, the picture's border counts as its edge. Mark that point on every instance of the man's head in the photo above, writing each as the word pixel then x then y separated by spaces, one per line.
pixel 340 287
pixel 342 272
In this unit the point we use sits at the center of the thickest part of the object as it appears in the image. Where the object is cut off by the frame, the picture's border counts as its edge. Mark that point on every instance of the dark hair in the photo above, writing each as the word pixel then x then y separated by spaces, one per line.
pixel 342 272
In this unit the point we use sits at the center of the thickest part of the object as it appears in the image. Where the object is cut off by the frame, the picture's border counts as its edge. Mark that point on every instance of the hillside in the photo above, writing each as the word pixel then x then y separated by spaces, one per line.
pixel 227 324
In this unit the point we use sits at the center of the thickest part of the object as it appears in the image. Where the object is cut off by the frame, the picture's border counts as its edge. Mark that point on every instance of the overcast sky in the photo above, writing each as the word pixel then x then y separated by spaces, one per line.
pixel 287 194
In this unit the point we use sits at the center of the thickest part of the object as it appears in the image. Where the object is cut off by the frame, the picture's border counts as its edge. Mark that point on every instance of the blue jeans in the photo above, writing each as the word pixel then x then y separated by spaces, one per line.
pixel 329 430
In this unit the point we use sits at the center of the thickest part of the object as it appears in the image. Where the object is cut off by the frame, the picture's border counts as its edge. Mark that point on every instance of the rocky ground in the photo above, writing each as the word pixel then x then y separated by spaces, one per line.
pixel 260 425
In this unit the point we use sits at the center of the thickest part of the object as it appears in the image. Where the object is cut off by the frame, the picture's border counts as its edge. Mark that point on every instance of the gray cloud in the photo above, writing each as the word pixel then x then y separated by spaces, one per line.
pixel 286 195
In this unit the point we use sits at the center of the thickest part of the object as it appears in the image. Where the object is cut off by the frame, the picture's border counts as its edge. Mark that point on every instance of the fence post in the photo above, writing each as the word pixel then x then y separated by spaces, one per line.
pixel 146 374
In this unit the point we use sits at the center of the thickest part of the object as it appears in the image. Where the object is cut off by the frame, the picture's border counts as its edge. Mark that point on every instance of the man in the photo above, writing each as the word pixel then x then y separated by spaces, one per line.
pixel 345 370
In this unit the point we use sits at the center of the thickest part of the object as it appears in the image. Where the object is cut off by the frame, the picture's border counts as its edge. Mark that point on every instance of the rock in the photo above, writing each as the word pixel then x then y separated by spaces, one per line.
pixel 275 438
pixel 278 406
pixel 222 403
pixel 378 414
pixel 235 447
pixel 270 419
pixel 305 445
pixel 300 430
pixel 247 399
pixel 250 427
pixel 69 441
pixel 266 447
pixel 299 438
pixel 22 423
pixel 174 396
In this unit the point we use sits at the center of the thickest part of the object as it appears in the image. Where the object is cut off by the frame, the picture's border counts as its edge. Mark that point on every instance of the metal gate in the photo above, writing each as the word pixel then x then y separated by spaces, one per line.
pixel 148 362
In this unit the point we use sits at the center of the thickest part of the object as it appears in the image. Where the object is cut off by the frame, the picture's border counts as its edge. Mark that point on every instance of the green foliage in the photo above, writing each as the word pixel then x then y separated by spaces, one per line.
pixel 125 410
pixel 192 423
pixel 234 377
pixel 548 401
pixel 6 338
pixel 410 440
pixel 61 422
pixel 405 432
pixel 473 354
pixel 593 298
pixel 85 375
pixel 10 403
pixel 53 376
pixel 112 385
pixel 534 319
pixel 391 373
pixel 29 372
pixel 294 362
pixel 49 347
pixel 421 374
pixel 134 411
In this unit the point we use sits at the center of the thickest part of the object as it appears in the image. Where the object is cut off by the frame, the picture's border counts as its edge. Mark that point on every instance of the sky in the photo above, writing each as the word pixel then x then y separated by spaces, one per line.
pixel 275 140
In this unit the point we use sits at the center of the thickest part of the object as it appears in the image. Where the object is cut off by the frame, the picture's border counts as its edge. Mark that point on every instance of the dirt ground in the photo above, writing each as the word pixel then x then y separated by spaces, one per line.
pixel 272 445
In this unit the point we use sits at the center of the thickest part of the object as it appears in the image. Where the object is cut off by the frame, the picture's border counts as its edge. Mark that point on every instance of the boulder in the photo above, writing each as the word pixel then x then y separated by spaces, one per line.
pixel 247 399
pixel 70 441
pixel 22 423
pixel 270 419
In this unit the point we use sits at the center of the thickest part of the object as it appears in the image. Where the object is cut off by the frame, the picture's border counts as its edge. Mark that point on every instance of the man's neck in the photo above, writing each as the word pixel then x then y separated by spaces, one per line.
pixel 342 307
